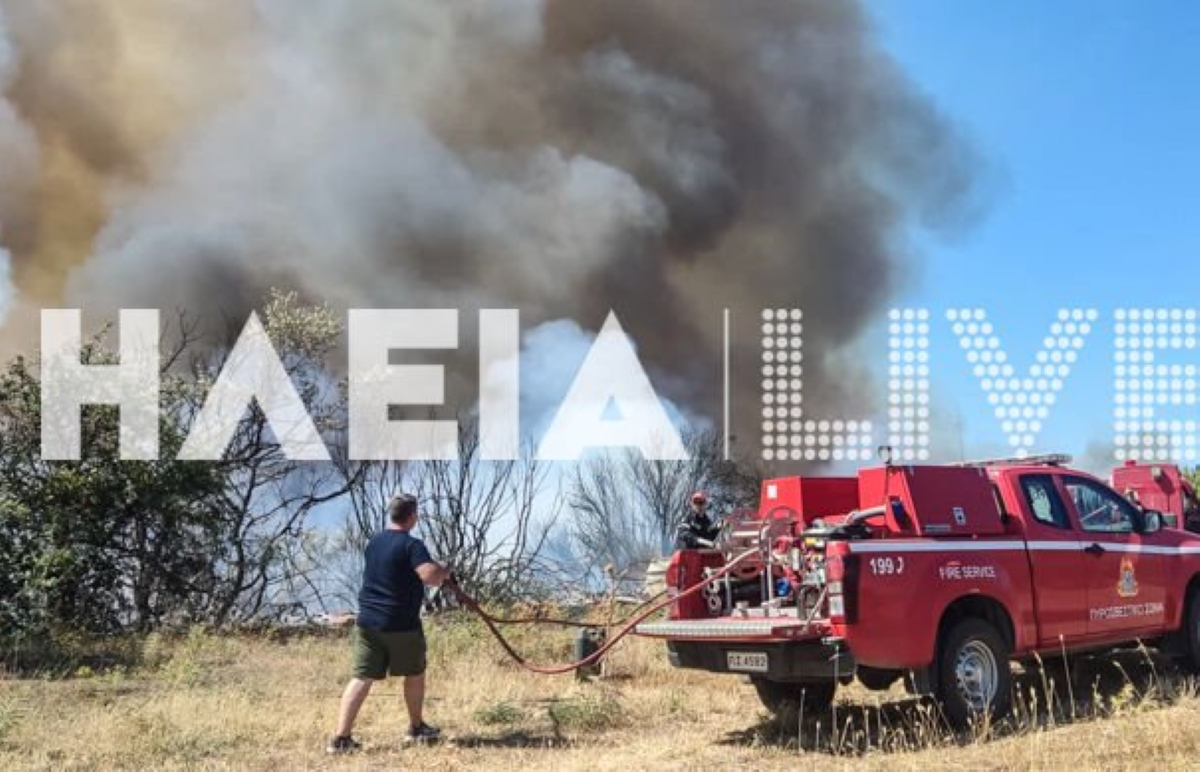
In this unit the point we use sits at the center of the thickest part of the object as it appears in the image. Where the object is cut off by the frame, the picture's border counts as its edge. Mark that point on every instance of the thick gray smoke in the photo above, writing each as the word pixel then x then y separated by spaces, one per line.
pixel 665 159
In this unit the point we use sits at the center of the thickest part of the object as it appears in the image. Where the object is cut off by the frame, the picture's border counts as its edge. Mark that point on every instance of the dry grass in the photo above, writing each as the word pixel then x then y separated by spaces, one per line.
pixel 205 702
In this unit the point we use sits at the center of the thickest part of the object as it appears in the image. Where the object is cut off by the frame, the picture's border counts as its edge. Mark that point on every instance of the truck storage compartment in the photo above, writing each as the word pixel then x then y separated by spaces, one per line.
pixel 932 500
pixel 809 497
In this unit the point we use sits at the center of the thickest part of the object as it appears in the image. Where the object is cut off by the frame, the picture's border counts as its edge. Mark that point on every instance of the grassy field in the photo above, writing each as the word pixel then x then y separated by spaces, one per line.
pixel 261 703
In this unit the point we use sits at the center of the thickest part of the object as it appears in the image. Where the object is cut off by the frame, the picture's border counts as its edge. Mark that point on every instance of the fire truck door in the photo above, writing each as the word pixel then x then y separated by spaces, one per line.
pixel 1126 574
pixel 1056 561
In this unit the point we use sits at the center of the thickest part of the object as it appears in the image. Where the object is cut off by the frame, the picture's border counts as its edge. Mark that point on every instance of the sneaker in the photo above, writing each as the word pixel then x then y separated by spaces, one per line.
pixel 423 734
pixel 340 745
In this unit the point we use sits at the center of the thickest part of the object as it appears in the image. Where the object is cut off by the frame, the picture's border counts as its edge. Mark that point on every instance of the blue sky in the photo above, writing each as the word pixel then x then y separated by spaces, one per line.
pixel 1087 117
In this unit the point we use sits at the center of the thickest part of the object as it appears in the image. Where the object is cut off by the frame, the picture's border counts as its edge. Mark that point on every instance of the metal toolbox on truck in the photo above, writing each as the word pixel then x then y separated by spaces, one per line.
pixel 810 497
pixel 932 500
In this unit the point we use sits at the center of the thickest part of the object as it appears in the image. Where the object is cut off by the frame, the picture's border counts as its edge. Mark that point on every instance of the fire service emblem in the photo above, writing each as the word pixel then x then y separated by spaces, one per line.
pixel 1127 586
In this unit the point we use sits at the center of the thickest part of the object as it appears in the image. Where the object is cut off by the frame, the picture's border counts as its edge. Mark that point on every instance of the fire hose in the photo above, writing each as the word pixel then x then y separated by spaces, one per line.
pixel 561 622
pixel 625 629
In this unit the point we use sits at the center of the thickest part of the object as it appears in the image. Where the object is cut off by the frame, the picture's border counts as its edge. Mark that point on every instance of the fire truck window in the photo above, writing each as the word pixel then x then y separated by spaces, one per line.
pixel 1043 500
pixel 1099 509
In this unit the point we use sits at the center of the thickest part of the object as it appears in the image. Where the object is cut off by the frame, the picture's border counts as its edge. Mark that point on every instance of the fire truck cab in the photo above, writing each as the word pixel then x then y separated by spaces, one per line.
pixel 944 574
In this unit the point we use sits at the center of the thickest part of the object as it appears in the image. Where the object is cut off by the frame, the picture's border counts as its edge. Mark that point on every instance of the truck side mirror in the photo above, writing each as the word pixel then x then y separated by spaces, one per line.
pixel 1152 521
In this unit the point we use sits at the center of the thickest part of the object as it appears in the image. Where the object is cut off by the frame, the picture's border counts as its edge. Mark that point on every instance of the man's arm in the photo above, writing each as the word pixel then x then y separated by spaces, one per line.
pixel 433 573
pixel 683 536
pixel 429 571
pixel 688 538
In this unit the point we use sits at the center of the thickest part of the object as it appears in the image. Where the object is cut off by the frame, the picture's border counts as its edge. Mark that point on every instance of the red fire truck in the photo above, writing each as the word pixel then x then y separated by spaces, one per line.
pixel 943 574
pixel 1161 487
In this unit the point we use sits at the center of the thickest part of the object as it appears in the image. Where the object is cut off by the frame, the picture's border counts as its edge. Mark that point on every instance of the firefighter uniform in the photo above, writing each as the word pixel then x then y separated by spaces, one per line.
pixel 697 531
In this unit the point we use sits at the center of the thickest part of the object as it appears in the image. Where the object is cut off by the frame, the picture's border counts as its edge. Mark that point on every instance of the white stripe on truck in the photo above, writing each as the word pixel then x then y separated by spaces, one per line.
pixel 890 545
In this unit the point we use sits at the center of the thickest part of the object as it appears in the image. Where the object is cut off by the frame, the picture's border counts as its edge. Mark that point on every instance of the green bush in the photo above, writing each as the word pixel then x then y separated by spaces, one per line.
pixel 501 713
pixel 589 713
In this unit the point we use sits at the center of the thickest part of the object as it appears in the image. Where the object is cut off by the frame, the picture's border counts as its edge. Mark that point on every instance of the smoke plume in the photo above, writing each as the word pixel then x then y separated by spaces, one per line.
pixel 664 159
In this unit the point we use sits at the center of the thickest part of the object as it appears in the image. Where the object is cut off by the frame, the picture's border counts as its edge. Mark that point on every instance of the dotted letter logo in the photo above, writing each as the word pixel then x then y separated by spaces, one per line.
pixel 908 383
pixel 1022 404
pixel 787 436
pixel 1143 385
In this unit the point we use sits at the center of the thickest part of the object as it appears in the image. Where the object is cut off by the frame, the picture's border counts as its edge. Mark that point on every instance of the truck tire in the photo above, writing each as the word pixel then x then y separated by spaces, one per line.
pixel 1189 636
pixel 974 675
pixel 785 699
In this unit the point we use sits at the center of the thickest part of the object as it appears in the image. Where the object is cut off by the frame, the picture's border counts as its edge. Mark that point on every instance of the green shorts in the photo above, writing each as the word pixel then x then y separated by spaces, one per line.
pixel 378 653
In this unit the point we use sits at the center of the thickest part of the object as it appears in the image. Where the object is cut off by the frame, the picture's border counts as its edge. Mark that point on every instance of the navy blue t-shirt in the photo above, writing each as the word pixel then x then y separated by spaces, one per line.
pixel 391 594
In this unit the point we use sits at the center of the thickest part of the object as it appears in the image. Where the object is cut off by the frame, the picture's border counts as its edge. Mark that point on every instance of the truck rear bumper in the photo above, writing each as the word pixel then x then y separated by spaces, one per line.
pixel 731 629
pixel 785 660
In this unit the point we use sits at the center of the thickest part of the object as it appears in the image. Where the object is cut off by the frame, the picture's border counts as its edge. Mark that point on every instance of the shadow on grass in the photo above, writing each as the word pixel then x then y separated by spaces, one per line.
pixel 1046 695
pixel 518 738
pixel 587 713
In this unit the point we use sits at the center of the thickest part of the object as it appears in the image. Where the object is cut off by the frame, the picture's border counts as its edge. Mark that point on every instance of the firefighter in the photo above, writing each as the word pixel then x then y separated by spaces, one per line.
pixel 698 529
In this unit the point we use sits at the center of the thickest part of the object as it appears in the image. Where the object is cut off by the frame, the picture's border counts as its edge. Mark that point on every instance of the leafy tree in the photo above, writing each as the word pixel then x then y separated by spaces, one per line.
pixel 104 545
pixel 98 544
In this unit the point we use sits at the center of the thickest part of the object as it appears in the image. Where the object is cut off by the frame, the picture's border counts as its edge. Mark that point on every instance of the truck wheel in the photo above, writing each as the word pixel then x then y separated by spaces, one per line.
pixel 1190 634
pixel 974 674
pixel 786 698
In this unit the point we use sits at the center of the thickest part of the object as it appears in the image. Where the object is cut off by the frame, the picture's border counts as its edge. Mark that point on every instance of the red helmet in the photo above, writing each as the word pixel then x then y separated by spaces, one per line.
pixel 699 497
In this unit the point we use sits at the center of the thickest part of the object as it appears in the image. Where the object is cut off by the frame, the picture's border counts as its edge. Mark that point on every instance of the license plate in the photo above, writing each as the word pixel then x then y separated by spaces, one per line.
pixel 747 661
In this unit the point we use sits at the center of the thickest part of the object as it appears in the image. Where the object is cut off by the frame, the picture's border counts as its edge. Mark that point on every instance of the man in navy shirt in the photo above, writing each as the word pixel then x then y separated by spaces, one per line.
pixel 387 636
